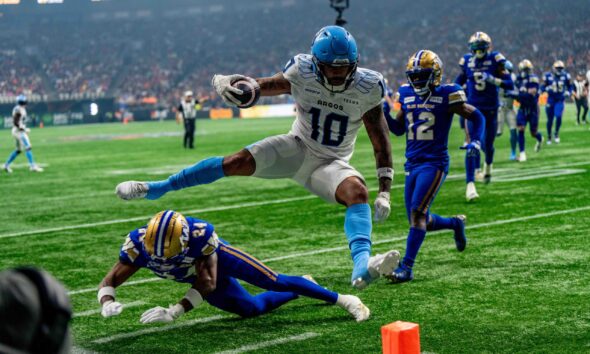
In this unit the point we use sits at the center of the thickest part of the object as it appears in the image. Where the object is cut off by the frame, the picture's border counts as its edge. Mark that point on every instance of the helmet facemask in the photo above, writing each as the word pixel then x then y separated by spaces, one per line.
pixel 335 77
pixel 479 49
pixel 421 80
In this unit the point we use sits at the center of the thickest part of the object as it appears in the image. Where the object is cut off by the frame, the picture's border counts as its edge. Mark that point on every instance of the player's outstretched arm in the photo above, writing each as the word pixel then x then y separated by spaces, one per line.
pixel 472 114
pixel 379 135
pixel 274 85
pixel 397 125
pixel 205 284
pixel 106 290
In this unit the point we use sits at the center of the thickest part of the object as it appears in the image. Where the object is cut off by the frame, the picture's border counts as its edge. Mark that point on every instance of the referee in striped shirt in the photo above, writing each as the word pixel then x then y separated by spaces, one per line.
pixel 187 111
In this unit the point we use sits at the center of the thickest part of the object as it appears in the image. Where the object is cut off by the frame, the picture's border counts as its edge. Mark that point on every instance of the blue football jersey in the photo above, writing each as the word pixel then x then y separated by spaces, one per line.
pixel 480 93
pixel 556 85
pixel 525 82
pixel 202 242
pixel 428 123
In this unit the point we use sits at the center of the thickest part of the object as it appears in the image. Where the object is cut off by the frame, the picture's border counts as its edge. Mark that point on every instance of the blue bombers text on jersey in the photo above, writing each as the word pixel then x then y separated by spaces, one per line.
pixel 428 123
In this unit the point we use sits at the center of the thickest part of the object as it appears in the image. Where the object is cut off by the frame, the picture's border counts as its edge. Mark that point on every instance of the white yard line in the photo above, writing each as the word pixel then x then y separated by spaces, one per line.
pixel 156 329
pixel 393 239
pixel 97 311
pixel 270 343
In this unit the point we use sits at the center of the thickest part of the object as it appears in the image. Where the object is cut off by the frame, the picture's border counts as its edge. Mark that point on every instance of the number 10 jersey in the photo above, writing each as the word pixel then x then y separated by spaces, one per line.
pixel 328 122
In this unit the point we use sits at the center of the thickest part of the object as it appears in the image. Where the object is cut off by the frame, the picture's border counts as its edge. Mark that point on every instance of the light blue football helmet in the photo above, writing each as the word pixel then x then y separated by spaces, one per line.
pixel 21 100
pixel 334 48
pixel 508 66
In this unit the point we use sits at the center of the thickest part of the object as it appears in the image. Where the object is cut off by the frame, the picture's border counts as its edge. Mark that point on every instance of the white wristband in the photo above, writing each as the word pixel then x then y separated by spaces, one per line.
pixel 104 291
pixel 386 172
pixel 176 311
pixel 194 297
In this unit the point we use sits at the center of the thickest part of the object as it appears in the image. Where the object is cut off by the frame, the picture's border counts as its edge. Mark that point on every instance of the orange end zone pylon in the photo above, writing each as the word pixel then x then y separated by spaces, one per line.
pixel 401 338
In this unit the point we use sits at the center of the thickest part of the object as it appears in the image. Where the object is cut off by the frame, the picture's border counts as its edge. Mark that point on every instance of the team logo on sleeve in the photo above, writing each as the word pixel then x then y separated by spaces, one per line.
pixel 211 246
pixel 458 96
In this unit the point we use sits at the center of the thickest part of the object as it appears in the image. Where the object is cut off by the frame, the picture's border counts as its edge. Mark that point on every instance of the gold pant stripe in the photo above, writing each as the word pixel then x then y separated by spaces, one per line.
pixel 263 270
pixel 431 192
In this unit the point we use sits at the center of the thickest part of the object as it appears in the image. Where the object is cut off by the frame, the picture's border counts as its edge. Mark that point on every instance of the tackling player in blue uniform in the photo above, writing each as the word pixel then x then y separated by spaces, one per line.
pixel 527 84
pixel 483 72
pixel 187 250
pixel 426 114
pixel 558 85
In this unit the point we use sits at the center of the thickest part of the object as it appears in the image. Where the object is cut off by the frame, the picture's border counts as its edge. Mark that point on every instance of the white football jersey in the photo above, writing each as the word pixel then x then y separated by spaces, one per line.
pixel 23 115
pixel 329 122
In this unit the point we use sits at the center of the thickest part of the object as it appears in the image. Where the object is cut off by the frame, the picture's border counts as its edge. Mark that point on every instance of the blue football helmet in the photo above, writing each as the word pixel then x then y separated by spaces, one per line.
pixel 508 66
pixel 335 57
pixel 21 100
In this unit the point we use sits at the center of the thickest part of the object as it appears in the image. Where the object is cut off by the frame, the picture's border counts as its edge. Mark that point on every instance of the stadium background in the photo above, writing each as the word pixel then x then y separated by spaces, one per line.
pixel 134 58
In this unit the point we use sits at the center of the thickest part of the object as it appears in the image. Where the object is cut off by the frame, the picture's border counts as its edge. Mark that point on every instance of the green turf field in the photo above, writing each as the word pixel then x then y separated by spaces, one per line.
pixel 522 285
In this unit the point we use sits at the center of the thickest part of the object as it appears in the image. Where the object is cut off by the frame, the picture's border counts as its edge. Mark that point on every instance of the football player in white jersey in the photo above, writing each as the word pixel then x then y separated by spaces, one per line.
pixel 333 98
pixel 21 134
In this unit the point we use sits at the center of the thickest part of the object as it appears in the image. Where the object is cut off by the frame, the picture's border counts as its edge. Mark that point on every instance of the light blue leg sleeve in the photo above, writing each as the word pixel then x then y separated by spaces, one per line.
pixel 204 172
pixel 358 226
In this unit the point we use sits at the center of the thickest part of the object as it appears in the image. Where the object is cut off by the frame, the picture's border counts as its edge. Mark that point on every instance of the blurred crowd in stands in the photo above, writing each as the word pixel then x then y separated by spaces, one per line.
pixel 153 59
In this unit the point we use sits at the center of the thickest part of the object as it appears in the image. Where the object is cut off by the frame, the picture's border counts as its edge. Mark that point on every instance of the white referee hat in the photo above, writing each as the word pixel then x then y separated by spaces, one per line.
pixel 188 93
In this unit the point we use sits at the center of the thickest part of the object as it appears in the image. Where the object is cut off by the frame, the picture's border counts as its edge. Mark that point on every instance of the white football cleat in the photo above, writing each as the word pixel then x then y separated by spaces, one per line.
pixel 522 157
pixel 383 264
pixel 7 168
pixel 354 306
pixel 471 192
pixel 131 190
pixel 35 168
pixel 539 144
pixel 548 142
pixel 557 140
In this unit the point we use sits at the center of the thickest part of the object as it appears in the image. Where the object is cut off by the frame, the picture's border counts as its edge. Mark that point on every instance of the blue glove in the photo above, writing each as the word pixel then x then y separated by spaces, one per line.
pixel 472 148
pixel 491 79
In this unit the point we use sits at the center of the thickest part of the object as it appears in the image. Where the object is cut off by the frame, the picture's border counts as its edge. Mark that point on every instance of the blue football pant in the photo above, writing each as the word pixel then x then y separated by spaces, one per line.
pixel 230 296
pixel 554 111
pixel 422 185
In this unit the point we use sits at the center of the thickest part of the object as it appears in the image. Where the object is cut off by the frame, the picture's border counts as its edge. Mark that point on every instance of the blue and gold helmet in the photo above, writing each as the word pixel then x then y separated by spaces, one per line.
pixel 558 66
pixel 423 71
pixel 480 44
pixel 525 66
pixel 335 57
pixel 166 236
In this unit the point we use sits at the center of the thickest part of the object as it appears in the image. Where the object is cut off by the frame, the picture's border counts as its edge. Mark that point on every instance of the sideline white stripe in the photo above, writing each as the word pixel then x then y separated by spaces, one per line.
pixel 237 206
pixel 97 311
pixel 156 329
pixel 270 343
pixel 147 217
pixel 393 239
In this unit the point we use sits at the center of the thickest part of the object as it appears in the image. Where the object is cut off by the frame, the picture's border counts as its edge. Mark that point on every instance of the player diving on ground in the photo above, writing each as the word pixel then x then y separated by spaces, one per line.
pixel 187 250
pixel 426 114
pixel 333 97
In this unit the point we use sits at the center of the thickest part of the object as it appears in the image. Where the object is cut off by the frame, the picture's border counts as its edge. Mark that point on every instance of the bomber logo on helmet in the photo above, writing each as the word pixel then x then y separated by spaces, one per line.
pixel 166 236
pixel 479 44
pixel 424 70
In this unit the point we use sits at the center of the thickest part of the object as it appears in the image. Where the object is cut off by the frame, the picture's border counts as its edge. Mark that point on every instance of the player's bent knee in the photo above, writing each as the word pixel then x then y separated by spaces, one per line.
pixel 352 191
pixel 18 152
pixel 418 219
pixel 241 163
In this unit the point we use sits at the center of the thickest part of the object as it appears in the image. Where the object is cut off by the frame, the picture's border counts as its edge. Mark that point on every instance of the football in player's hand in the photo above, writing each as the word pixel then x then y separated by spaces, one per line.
pixel 250 89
